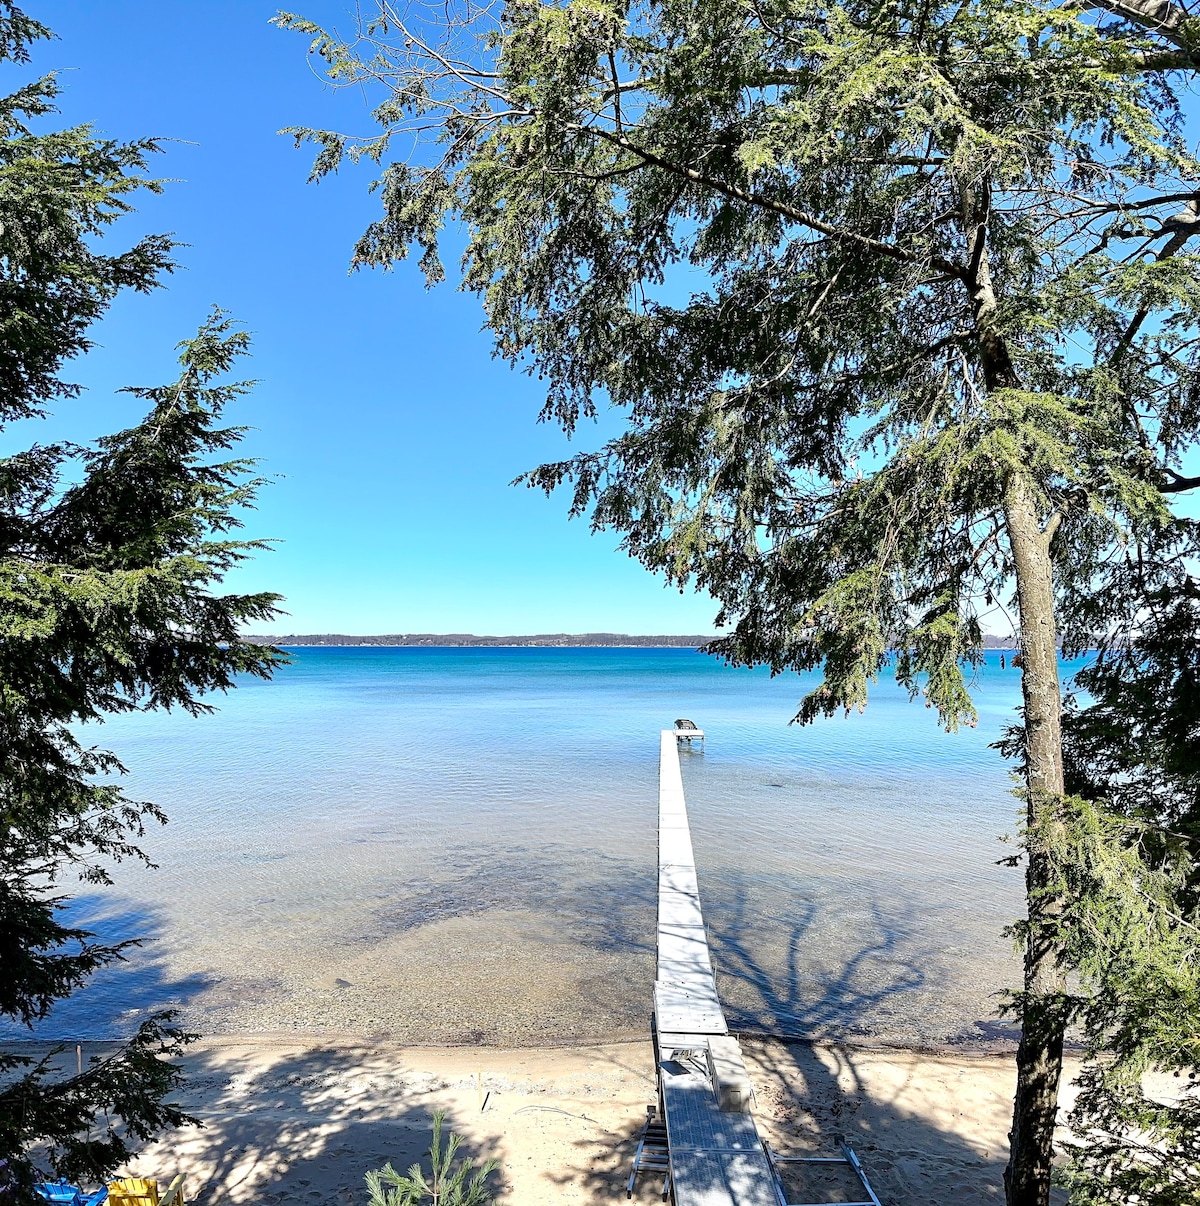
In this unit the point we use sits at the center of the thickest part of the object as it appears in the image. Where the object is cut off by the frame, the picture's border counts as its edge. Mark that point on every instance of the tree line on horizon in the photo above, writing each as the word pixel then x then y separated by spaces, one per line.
pixel 533 640
pixel 548 639
pixel 467 639
pixel 899 306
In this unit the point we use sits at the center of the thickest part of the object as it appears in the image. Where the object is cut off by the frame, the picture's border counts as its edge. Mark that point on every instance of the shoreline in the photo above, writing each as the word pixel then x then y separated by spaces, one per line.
pixel 1001 1049
pixel 599 640
pixel 289 1119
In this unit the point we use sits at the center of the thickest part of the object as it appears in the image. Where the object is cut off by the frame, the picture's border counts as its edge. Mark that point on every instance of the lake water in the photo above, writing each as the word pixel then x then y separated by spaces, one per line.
pixel 458 845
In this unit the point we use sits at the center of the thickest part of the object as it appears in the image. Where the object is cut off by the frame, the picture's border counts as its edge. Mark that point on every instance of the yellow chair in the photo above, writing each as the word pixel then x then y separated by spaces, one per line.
pixel 133 1191
pixel 136 1191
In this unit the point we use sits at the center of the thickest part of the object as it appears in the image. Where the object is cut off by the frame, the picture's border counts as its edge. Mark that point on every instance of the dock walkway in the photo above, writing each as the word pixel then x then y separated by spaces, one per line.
pixel 715 1152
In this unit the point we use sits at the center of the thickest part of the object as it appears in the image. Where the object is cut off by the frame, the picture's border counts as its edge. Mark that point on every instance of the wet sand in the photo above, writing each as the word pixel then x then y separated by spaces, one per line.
pixel 301 1121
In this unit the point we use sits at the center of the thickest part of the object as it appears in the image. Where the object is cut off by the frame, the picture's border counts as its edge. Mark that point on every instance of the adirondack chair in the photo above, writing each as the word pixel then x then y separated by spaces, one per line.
pixel 63 1193
pixel 137 1191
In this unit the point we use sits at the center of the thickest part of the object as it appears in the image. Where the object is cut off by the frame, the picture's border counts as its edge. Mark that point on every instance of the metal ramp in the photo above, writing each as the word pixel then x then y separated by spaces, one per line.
pixel 715 1155
pixel 651 1154
pixel 847 1160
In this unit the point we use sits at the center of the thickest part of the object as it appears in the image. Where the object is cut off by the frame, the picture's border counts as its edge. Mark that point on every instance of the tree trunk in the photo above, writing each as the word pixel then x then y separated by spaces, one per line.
pixel 1039 1057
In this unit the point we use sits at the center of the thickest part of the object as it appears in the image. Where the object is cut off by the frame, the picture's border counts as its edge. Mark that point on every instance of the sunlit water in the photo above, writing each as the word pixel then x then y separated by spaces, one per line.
pixel 458 845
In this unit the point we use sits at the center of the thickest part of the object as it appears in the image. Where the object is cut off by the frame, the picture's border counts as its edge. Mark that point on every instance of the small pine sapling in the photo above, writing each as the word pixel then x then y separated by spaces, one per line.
pixel 447 1184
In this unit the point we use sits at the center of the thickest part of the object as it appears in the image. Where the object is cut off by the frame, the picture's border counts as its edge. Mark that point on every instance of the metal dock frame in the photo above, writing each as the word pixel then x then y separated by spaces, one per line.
pixel 847 1158
pixel 651 1154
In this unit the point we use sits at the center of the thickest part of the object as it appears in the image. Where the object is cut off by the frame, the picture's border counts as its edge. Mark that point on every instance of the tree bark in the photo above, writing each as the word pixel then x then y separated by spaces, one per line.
pixel 1159 16
pixel 1039 1056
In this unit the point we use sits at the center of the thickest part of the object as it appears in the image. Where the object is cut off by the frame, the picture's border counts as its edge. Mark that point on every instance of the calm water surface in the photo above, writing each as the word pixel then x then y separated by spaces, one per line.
pixel 458 845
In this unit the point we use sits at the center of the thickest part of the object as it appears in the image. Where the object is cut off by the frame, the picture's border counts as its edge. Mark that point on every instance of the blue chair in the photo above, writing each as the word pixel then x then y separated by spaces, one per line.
pixel 63 1193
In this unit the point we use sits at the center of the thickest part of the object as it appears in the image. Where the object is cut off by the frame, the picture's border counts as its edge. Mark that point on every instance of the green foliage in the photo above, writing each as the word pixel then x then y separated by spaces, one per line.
pixel 88 1124
pixel 1134 740
pixel 1125 859
pixel 109 556
pixel 1132 872
pixel 1131 930
pixel 58 191
pixel 898 304
pixel 107 607
pixel 774 238
pixel 447 1184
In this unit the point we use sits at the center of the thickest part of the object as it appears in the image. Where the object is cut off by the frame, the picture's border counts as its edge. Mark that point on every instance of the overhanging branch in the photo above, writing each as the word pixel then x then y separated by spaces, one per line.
pixel 1177 483
pixel 1158 16
pixel 802 217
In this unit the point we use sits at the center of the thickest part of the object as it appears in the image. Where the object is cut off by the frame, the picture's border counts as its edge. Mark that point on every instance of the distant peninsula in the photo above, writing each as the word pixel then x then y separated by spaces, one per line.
pixel 550 640
pixel 543 640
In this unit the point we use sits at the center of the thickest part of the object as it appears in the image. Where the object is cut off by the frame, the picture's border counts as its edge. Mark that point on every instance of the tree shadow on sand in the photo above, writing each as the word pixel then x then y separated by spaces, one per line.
pixel 807 1095
pixel 297 1125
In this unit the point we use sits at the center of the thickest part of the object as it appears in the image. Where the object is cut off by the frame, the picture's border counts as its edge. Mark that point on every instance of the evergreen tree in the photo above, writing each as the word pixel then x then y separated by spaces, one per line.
pixel 1130 870
pixel 108 559
pixel 448 1183
pixel 897 299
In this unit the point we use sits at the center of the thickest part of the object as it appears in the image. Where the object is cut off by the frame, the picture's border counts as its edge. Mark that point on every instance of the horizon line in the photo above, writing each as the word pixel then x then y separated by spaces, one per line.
pixel 451 639
pixel 525 640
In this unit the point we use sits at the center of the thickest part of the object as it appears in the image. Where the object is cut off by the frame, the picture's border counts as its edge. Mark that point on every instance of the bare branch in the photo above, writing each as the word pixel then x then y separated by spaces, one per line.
pixel 1158 16
pixel 1183 225
pixel 1176 483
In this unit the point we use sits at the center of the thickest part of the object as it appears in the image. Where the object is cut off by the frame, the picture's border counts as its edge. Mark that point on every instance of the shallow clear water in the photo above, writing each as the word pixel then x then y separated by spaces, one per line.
pixel 458 845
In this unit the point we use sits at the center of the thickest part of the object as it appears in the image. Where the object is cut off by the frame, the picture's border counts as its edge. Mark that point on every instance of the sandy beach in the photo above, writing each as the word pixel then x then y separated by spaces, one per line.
pixel 300 1121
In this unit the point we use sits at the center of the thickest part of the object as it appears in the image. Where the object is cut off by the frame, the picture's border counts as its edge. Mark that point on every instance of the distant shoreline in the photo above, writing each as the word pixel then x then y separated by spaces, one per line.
pixel 456 640
pixel 546 640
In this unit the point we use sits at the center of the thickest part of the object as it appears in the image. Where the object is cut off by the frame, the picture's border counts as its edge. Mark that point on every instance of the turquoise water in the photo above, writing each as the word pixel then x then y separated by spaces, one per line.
pixel 458 845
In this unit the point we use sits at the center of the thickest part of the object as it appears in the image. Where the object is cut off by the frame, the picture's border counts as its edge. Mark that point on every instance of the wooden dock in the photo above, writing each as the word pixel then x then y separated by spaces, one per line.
pixel 715 1153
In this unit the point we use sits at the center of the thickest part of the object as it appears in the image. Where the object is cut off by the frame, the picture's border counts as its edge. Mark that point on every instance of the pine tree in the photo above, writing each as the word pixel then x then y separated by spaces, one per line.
pixel 108 559
pixel 897 301
pixel 1130 863
pixel 448 1183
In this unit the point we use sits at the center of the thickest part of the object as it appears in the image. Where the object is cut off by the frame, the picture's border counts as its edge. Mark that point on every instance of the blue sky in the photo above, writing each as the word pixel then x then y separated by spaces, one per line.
pixel 392 431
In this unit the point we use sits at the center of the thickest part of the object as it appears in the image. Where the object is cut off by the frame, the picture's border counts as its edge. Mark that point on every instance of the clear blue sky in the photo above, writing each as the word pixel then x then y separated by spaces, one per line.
pixel 392 430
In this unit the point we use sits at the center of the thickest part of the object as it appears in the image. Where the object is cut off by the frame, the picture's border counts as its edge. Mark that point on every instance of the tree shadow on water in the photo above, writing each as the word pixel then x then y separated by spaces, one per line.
pixel 117 998
pixel 928 1128
pixel 809 992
